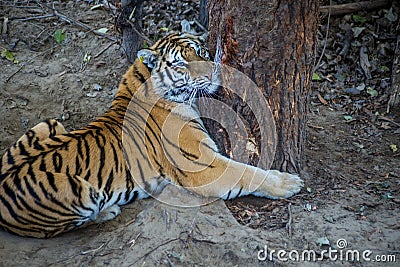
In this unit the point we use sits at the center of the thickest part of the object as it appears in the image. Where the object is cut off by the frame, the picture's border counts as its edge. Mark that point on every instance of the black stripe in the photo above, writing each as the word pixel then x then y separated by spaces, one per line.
pixel 122 97
pixel 116 164
pixel 87 152
pixel 124 81
pixel 240 191
pixel 94 195
pixel 79 146
pixel 188 155
pixel 31 174
pixel 10 158
pixel 138 74
pixel 73 183
pixel 57 161
pixel 17 182
pixel 30 135
pixel 118 198
pixel 42 166
pixel 78 169
pixel 103 200
pixel 31 191
pixel 87 176
pixel 37 145
pixel 229 194
pixel 55 201
pixel 129 184
pixel 12 212
pixel 51 180
pixel 53 124
pixel 209 147
pixel 56 139
pixel 100 145
pixel 109 182
pixel 12 195
pixel 132 198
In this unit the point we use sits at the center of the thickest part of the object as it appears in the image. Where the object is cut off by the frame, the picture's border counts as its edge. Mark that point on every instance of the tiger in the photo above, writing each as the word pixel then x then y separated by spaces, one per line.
pixel 53 181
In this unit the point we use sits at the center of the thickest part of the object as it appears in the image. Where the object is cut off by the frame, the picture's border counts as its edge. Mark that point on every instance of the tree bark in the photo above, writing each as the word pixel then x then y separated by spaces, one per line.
pixel 272 42
pixel 130 24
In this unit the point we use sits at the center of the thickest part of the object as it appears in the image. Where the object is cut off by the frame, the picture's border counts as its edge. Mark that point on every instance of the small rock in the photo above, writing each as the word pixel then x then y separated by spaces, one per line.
pixel 97 87
pixel 24 122
pixel 81 35
pixel 91 95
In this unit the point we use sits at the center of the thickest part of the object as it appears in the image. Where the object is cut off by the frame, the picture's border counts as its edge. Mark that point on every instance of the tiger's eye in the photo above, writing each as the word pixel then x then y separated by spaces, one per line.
pixel 169 64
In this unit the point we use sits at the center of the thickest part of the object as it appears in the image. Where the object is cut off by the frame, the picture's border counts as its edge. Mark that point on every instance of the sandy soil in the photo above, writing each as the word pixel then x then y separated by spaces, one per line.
pixel 352 191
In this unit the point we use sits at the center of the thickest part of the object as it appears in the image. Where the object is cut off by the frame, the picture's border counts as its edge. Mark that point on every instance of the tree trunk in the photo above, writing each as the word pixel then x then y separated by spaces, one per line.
pixel 272 42
pixel 130 24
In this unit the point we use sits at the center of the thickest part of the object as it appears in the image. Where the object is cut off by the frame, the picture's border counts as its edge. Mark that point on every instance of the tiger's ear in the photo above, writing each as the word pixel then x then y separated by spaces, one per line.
pixel 148 57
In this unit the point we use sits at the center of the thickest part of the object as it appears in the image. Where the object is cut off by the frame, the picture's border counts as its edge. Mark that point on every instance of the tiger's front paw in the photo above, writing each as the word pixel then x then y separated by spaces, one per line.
pixel 279 185
pixel 290 184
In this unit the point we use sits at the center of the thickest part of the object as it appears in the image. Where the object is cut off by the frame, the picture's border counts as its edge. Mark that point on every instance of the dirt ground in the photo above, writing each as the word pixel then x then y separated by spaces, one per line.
pixel 352 191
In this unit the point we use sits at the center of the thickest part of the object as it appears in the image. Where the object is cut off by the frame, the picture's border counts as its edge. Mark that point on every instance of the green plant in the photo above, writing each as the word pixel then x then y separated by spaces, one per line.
pixel 8 55
pixel 59 36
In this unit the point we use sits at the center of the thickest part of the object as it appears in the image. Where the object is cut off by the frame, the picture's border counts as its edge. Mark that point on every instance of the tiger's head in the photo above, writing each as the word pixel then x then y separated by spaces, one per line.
pixel 172 63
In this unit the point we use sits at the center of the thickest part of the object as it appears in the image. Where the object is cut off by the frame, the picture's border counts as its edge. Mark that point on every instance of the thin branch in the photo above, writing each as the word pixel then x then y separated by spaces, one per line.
pixel 353 7
pixel 33 18
pixel 92 250
pixel 155 248
pixel 289 223
pixel 200 25
pixel 326 37
pixel 105 49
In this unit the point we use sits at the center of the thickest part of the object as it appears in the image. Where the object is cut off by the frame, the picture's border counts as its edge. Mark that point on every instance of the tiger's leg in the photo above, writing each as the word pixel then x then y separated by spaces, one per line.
pixel 31 140
pixel 203 170
pixel 43 130
pixel 228 179
pixel 39 132
pixel 47 204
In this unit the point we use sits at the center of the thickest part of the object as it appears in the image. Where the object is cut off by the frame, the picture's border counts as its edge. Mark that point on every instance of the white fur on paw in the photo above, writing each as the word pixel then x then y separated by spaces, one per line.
pixel 290 184
pixel 108 214
pixel 279 185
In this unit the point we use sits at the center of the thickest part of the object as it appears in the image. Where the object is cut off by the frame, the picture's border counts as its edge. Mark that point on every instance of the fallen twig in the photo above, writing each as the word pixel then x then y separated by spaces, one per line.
pixel 12 75
pixel 133 241
pixel 289 223
pixel 105 49
pixel 200 25
pixel 33 18
pixel 155 248
pixel 353 7
pixel 92 250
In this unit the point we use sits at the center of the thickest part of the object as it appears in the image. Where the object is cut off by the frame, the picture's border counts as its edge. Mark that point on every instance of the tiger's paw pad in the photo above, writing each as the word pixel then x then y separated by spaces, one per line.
pixel 108 214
